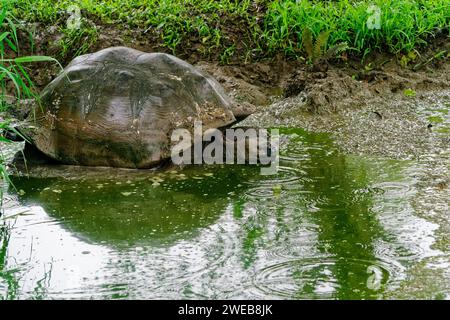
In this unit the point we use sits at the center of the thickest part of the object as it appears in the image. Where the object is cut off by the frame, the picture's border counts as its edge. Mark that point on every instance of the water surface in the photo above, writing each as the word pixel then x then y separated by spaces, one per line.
pixel 328 225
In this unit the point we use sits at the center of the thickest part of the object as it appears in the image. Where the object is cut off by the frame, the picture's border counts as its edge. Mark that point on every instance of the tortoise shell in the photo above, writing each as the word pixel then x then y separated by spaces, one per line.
pixel 118 108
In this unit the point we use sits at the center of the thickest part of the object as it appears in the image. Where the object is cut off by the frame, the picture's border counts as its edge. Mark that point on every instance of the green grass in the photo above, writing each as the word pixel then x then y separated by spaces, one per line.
pixel 252 29
pixel 405 24
pixel 175 22
pixel 15 83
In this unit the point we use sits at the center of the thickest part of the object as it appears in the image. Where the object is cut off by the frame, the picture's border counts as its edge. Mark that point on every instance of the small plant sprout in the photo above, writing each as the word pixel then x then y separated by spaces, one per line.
pixel 409 93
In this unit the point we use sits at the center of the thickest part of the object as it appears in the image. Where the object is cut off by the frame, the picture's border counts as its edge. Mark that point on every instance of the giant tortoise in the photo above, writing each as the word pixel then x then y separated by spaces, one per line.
pixel 118 107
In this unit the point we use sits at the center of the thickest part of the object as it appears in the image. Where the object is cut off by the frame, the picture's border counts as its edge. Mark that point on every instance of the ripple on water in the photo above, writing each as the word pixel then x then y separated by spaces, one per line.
pixel 400 249
pixel 409 236
pixel 287 178
pixel 289 247
pixel 167 272
pixel 297 149
pixel 87 291
pixel 395 190
pixel 325 278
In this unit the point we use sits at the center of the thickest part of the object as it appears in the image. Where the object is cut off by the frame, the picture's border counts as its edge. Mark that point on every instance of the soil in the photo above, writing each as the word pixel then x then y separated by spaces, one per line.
pixel 388 115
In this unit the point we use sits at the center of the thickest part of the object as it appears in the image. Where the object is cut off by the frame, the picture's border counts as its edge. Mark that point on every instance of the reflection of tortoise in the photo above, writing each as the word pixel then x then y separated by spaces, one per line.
pixel 119 106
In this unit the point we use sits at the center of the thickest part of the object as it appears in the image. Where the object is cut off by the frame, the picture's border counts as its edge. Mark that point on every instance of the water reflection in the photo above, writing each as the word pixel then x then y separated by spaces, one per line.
pixel 342 202
pixel 157 208
pixel 326 226
pixel 325 232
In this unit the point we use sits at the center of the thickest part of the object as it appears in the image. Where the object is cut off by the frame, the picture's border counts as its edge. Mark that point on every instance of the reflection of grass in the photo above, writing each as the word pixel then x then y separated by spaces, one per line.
pixel 8 276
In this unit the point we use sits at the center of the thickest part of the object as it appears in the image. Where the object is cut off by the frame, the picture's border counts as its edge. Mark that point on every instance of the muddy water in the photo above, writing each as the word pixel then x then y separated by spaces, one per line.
pixel 328 225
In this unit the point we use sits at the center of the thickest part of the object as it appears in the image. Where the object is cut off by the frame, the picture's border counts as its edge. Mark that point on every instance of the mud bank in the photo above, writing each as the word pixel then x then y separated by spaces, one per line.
pixel 386 111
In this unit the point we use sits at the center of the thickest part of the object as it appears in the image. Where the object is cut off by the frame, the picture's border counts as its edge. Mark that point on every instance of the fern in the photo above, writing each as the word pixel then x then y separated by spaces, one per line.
pixel 334 50
pixel 320 45
pixel 317 51
pixel 307 41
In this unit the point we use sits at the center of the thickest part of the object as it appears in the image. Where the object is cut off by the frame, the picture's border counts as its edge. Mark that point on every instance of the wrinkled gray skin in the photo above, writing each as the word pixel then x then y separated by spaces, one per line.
pixel 119 106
